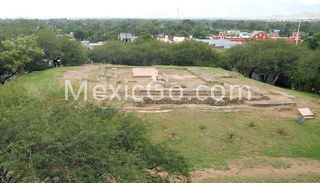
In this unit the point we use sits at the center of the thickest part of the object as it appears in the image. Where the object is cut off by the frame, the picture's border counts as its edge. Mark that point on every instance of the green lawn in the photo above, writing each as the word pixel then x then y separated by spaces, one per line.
pixel 203 137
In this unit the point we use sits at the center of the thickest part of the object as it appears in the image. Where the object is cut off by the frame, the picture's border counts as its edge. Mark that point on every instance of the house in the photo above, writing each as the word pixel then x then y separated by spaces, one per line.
pixel 221 35
pixel 236 39
pixel 275 33
pixel 127 37
pixel 220 43
pixel 245 35
pixel 259 35
pixel 164 38
pixel 91 45
pixel 233 32
pixel 295 38
pixel 178 39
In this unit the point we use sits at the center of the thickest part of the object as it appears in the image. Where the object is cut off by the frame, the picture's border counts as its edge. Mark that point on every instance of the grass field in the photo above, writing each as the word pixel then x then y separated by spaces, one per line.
pixel 213 139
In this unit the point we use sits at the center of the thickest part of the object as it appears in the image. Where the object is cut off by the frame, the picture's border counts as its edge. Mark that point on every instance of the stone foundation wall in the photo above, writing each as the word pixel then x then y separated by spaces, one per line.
pixel 186 100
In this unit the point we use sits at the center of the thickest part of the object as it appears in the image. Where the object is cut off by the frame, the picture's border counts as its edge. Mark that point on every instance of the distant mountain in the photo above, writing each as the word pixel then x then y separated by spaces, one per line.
pixel 279 10
pixel 303 15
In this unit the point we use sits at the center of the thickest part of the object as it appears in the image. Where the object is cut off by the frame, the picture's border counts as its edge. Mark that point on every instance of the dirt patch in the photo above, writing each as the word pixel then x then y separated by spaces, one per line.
pixel 295 167
pixel 189 79
pixel 159 111
pixel 79 73
pixel 285 111
pixel 75 74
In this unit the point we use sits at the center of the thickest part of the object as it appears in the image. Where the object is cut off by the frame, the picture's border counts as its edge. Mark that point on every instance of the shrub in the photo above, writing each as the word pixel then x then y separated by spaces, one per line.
pixel 152 52
pixel 231 133
pixel 252 125
pixel 58 141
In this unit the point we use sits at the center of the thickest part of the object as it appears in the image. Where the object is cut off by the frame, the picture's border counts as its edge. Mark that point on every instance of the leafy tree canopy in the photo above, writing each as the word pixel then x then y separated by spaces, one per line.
pixel 16 53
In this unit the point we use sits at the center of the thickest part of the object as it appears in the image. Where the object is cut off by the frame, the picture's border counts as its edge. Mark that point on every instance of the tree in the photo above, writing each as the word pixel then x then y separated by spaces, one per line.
pixel 102 35
pixel 186 25
pixel 144 36
pixel 269 59
pixel 19 27
pixel 153 52
pixel 306 73
pixel 81 34
pixel 72 52
pixel 49 42
pixel 200 34
pixel 313 42
pixel 16 54
pixel 110 52
pixel 191 53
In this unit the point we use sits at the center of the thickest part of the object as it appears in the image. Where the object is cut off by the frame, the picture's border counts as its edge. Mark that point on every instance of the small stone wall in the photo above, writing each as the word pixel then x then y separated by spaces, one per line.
pixel 186 100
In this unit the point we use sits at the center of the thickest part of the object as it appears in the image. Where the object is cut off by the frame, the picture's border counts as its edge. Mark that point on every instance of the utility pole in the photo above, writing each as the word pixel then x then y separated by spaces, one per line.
pixel 266 27
pixel 297 36
pixel 162 27
pixel 178 12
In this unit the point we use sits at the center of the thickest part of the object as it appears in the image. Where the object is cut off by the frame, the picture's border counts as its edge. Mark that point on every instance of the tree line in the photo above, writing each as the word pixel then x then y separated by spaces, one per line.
pixel 96 30
pixel 30 48
pixel 153 52
pixel 278 62
pixel 108 29
pixel 26 44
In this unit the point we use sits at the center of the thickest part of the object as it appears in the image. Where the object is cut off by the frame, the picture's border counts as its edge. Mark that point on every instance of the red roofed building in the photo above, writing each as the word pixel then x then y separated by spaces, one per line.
pixel 221 35
pixel 259 35
pixel 256 35
pixel 236 39
pixel 294 38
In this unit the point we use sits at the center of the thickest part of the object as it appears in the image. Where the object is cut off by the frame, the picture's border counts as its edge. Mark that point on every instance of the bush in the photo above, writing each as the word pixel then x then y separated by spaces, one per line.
pixel 231 133
pixel 152 52
pixel 58 141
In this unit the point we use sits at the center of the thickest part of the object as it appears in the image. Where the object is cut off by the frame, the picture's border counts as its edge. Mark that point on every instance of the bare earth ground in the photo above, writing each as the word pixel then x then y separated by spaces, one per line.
pixel 276 168
pixel 187 77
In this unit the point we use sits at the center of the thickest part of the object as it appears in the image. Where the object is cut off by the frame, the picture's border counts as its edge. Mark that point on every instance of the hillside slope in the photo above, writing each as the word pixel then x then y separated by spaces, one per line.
pixel 215 137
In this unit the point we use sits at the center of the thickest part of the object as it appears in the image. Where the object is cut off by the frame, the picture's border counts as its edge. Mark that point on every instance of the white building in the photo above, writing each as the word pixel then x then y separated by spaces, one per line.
pixel 127 37
pixel 220 43
pixel 245 35
pixel 91 45
pixel 164 38
pixel 178 39
pixel 233 32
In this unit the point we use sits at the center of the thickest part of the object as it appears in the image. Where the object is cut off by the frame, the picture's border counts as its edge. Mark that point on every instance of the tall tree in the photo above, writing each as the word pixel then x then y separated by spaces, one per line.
pixel 16 53
pixel 72 52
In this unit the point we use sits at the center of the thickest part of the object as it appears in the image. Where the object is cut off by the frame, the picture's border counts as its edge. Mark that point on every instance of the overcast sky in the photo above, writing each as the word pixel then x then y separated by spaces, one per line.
pixel 155 9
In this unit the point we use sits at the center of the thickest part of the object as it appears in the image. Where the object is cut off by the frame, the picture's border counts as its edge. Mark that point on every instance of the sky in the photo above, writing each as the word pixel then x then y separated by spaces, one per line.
pixel 43 9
